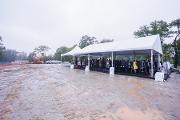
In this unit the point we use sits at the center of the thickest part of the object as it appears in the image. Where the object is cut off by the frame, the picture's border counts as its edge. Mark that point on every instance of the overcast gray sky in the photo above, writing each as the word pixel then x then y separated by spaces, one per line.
pixel 25 24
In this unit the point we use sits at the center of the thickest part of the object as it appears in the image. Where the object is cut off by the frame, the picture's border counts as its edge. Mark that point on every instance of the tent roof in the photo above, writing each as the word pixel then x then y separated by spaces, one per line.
pixel 141 45
pixel 73 51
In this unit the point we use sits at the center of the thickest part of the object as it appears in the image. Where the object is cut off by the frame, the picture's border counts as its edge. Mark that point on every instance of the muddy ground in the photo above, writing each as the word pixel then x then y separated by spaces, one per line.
pixel 55 92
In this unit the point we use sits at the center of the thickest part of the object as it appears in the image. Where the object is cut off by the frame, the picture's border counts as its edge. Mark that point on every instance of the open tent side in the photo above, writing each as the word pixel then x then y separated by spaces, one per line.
pixel 150 45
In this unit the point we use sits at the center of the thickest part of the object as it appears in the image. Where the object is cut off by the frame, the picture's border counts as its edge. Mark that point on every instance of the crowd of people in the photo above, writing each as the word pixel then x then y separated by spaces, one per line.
pixel 121 66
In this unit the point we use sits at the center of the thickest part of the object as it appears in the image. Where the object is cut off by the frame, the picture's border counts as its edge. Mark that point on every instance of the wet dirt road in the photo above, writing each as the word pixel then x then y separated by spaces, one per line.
pixel 54 92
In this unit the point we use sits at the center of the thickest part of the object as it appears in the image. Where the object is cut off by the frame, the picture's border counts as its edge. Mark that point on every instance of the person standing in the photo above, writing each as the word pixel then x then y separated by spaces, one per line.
pixel 147 67
pixel 135 67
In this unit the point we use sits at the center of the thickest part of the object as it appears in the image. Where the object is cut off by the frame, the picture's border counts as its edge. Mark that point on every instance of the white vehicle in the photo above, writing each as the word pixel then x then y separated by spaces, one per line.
pixel 53 62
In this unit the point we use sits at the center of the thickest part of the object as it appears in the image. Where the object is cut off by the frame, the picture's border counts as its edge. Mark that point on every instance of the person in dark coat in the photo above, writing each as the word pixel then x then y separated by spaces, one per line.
pixel 146 67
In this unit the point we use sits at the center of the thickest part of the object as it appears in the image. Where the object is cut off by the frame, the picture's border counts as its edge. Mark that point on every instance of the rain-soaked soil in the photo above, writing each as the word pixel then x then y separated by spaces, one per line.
pixel 54 92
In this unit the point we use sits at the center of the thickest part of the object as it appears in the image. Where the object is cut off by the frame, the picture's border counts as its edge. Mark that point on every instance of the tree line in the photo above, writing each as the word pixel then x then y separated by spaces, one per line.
pixel 84 41
pixel 171 51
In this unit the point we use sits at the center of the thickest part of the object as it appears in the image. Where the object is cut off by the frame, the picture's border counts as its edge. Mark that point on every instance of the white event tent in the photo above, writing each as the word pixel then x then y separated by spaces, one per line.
pixel 150 45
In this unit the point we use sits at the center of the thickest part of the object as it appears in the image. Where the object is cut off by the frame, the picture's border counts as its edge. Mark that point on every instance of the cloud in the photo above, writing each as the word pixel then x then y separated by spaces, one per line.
pixel 25 24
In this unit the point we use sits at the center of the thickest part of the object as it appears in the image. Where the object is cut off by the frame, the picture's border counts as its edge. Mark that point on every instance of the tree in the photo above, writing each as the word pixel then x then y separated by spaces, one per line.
pixel 160 27
pixel 156 27
pixel 60 51
pixel 143 31
pixel 176 23
pixel 168 52
pixel 178 51
pixel 86 40
pixel 30 56
pixel 42 49
pixel 63 50
pixel 106 40
pixel 1 48
pixel 49 57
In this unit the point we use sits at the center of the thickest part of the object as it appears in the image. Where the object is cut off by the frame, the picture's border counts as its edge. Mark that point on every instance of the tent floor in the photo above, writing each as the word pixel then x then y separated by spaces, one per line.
pixel 133 74
pixel 106 70
pixel 122 73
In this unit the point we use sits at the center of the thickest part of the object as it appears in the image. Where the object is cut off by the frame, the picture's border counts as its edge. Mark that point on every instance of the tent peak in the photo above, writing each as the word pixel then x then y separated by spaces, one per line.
pixel 74 51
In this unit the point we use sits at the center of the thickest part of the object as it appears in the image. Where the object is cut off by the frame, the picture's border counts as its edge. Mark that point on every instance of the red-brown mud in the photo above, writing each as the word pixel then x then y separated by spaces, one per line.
pixel 54 92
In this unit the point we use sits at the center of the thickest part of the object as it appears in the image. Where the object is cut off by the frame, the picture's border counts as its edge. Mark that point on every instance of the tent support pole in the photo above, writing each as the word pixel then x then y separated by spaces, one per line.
pixel 159 60
pixel 61 57
pixel 162 60
pixel 112 58
pixel 72 64
pixel 111 70
pixel 73 59
pixel 89 60
pixel 87 69
pixel 152 69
